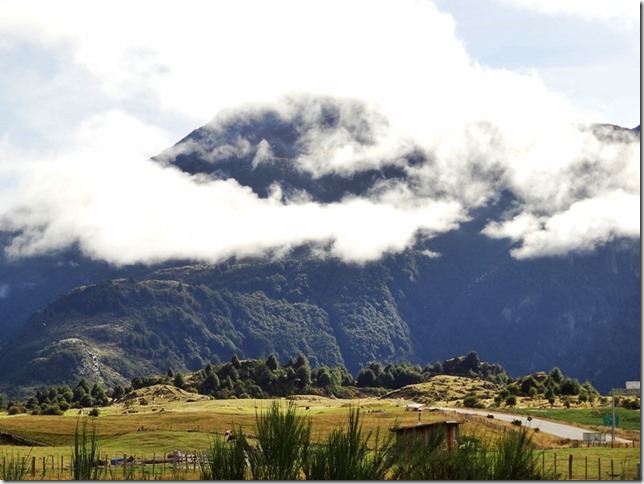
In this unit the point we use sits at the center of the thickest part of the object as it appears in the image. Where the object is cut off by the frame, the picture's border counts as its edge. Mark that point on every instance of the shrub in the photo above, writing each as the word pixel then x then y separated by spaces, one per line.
pixel 16 409
pixel 51 409
pixel 472 401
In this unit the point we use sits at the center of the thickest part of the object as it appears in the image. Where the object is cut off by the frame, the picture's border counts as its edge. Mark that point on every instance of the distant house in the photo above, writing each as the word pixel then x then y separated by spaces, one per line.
pixel 447 430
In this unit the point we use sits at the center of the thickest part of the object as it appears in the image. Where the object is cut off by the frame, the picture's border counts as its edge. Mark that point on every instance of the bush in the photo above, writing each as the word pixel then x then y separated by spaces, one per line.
pixel 16 409
pixel 51 409
pixel 472 401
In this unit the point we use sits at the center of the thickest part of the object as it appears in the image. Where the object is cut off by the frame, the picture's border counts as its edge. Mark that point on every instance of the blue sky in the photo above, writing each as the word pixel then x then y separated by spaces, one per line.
pixel 593 58
pixel 91 90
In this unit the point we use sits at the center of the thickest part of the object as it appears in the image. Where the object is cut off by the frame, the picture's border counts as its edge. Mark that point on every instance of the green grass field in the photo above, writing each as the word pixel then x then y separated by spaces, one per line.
pixel 587 417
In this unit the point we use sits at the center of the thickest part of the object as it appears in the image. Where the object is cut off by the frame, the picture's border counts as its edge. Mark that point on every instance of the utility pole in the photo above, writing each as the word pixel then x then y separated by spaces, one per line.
pixel 612 422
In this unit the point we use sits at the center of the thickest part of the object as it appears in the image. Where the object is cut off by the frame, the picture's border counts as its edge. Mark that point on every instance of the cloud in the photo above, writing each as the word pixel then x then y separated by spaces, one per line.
pixel 583 226
pixel 124 209
pixel 400 82
pixel 622 13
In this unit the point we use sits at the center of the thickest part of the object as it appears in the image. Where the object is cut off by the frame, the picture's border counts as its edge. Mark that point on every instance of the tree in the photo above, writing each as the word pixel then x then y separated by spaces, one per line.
pixel 303 376
pixel 87 400
pixel 210 384
pixel 472 361
pixel 527 384
pixel 324 378
pixel 118 392
pixel 556 375
pixel 179 380
pixel 301 360
pixel 511 401
pixel 513 389
pixel 366 378
pixel 235 361
pixel 99 396
pixel 83 383
pixel 376 367
pixel 569 386
pixel 272 363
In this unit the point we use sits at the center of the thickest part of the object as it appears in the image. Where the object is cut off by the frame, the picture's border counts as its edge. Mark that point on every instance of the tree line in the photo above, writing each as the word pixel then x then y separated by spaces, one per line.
pixel 266 378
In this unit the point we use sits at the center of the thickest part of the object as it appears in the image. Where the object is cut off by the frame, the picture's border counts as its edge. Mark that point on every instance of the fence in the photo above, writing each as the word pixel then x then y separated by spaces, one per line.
pixel 56 467
pixel 587 468
pixel 571 467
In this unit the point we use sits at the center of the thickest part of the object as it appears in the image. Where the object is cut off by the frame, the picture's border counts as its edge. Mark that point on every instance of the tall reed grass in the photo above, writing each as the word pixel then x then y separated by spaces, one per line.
pixel 511 457
pixel 14 468
pixel 346 455
pixel 283 442
pixel 225 460
pixel 85 454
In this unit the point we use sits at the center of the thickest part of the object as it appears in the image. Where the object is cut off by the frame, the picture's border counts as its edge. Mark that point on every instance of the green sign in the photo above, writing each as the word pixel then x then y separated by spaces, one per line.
pixel 608 420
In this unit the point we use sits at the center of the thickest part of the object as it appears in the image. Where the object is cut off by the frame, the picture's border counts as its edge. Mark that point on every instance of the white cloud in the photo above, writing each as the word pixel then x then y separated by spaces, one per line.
pixel 126 75
pixel 622 13
pixel 585 225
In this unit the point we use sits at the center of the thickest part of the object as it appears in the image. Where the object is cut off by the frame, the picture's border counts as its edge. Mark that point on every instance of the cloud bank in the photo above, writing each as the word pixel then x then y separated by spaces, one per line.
pixel 402 81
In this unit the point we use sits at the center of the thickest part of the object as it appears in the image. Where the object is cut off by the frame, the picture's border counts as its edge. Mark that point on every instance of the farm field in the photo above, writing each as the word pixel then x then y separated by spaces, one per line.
pixel 170 422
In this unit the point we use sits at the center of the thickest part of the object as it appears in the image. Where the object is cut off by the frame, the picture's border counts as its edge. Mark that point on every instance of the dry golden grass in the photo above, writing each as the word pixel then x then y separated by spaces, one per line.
pixel 179 421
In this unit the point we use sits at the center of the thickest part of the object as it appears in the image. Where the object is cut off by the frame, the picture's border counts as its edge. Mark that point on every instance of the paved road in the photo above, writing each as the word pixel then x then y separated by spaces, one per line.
pixel 560 430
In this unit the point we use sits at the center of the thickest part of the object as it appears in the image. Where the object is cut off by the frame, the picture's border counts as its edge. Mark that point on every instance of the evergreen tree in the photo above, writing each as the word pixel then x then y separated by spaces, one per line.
pixel 179 381
pixel 272 363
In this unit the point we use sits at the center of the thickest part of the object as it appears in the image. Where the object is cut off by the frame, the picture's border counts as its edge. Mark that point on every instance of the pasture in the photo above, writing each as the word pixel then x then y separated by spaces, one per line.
pixel 158 424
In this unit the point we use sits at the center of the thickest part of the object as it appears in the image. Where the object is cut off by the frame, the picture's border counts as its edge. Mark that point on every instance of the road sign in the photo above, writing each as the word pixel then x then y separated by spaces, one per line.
pixel 608 420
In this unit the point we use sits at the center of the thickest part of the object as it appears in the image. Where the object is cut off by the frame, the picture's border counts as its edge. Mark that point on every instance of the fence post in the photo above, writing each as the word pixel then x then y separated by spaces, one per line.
pixel 570 467
pixel 44 466
pixel 555 457
pixel 33 466
pixel 599 468
pixel 586 468
pixel 612 471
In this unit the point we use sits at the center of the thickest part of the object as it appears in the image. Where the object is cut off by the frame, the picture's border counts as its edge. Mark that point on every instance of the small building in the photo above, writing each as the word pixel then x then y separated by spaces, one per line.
pixel 447 428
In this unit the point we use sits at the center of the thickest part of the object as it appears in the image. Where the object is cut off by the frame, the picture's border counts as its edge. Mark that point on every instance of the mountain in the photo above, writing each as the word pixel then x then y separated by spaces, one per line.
pixel 64 315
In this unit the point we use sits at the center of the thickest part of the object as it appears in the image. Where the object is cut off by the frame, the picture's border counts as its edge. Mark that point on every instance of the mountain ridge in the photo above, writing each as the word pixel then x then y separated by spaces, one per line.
pixel 447 294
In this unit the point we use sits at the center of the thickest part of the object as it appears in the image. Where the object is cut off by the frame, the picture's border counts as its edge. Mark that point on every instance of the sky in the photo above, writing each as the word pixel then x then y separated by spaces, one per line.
pixel 492 91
